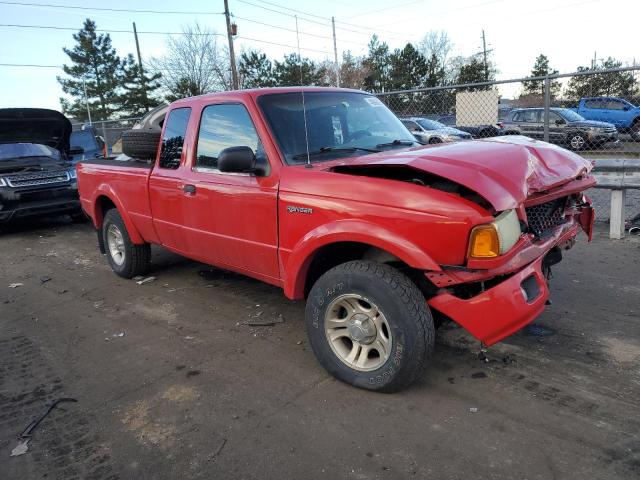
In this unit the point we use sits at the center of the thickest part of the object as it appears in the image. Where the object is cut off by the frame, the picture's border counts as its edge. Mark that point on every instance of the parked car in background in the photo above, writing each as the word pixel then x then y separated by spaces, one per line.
pixel 476 131
pixel 426 130
pixel 329 197
pixel 36 174
pixel 566 127
pixel 86 143
pixel 617 111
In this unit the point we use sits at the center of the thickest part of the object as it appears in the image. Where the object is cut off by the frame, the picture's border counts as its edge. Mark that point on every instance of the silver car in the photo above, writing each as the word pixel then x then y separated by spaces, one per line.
pixel 426 130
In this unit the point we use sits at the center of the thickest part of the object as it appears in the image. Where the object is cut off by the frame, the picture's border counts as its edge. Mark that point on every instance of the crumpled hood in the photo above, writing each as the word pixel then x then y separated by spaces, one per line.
pixel 35 125
pixel 503 170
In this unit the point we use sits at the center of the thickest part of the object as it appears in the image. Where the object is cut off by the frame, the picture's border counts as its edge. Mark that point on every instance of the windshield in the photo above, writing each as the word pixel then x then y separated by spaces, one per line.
pixel 11 151
pixel 430 124
pixel 569 115
pixel 83 139
pixel 339 124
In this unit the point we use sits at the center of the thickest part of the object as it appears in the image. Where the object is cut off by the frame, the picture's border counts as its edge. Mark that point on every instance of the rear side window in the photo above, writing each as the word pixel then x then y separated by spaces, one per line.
pixel 223 126
pixel 173 138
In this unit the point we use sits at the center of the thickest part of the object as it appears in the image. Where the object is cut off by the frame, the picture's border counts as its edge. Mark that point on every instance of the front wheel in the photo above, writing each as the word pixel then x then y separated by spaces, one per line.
pixel 126 258
pixel 369 326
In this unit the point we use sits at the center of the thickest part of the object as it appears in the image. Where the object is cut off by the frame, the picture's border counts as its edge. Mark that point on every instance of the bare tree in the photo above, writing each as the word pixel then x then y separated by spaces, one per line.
pixel 194 64
pixel 436 47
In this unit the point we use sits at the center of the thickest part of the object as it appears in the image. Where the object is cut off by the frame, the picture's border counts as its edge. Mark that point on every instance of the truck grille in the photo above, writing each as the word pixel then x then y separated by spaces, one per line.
pixel 38 178
pixel 544 217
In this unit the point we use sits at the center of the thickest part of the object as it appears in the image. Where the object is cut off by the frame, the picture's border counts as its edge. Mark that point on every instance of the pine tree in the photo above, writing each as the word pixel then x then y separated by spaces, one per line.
pixel 96 67
pixel 377 63
pixel 617 84
pixel 139 89
pixel 256 70
pixel 408 68
pixel 293 71
pixel 541 69
pixel 473 71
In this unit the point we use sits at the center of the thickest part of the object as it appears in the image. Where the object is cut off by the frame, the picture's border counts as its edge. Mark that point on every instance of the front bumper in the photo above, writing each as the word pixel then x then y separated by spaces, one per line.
pixel 502 310
pixel 499 311
pixel 20 203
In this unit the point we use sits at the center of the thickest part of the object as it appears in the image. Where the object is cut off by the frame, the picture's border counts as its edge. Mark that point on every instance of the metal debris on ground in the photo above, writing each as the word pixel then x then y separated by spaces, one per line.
pixel 25 436
pixel 16 285
pixel 44 279
pixel 146 280
pixel 473 409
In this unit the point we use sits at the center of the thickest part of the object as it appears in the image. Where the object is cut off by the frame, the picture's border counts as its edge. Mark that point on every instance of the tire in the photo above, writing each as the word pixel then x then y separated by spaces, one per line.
pixel 403 318
pixel 435 140
pixel 577 141
pixel 131 259
pixel 141 144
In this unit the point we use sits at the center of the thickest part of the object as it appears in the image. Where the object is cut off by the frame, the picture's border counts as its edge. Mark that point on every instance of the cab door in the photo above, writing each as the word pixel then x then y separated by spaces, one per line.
pixel 230 218
pixel 166 188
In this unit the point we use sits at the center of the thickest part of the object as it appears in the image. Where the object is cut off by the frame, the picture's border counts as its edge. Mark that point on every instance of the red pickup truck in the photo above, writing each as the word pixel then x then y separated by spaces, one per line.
pixel 326 194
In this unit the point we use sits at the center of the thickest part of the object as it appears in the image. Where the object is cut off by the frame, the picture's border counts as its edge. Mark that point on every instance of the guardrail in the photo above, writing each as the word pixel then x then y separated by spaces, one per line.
pixel 617 175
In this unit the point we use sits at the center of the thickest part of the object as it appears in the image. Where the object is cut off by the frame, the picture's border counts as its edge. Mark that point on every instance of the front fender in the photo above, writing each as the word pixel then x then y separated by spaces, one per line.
pixel 104 190
pixel 297 265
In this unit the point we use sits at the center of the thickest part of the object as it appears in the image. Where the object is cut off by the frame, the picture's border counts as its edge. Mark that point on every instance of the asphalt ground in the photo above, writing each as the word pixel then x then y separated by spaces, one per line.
pixel 173 381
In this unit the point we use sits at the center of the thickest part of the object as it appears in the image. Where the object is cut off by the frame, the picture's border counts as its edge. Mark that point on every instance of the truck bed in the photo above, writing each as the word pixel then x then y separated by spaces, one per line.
pixel 124 182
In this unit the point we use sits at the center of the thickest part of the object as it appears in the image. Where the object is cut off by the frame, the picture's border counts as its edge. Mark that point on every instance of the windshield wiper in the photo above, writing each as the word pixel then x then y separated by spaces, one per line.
pixel 396 143
pixel 323 150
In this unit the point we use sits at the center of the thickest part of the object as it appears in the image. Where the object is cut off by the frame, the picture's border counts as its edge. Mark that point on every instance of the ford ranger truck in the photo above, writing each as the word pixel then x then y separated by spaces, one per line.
pixel 324 193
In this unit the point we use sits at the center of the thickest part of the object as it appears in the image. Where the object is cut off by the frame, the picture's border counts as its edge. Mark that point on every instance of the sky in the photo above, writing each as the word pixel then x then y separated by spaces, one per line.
pixel 569 32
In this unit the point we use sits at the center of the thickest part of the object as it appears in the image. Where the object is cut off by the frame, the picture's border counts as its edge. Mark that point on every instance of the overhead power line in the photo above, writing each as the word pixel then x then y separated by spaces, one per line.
pixel 106 9
pixel 249 39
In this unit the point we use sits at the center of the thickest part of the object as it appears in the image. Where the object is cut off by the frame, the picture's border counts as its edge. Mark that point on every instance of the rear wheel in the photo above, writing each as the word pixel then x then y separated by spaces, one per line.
pixel 369 326
pixel 125 258
pixel 434 140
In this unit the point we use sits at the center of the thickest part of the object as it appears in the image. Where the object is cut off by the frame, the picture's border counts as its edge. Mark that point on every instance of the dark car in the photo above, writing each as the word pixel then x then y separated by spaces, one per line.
pixel 566 127
pixel 426 130
pixel 87 144
pixel 476 131
pixel 36 175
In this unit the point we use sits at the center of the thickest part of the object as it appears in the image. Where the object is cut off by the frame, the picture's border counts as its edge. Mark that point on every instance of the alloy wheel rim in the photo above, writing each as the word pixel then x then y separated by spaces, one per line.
pixel 577 141
pixel 358 332
pixel 115 242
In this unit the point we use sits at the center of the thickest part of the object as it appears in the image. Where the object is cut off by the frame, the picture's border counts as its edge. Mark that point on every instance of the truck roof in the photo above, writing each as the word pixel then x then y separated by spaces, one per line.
pixel 256 92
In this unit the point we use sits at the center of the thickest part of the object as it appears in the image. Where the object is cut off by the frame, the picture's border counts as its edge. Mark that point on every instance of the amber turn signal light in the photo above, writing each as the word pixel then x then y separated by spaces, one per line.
pixel 484 242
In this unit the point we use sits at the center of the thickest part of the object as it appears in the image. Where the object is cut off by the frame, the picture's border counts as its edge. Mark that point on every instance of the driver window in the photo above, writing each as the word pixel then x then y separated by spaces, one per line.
pixel 223 126
pixel 553 117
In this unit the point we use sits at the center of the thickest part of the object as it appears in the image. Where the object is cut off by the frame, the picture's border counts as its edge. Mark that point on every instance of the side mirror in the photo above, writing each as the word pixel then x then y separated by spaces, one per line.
pixel 237 160
pixel 560 121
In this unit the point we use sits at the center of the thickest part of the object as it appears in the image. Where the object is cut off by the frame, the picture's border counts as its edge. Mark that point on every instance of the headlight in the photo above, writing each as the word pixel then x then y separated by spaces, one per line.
pixel 495 238
pixel 73 174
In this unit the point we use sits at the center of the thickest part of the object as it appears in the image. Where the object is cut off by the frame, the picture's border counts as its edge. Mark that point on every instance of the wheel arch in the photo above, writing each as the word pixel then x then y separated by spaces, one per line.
pixel 315 254
pixel 105 200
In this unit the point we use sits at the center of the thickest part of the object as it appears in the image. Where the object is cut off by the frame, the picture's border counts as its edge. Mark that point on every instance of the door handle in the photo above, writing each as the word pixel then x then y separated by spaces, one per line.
pixel 189 189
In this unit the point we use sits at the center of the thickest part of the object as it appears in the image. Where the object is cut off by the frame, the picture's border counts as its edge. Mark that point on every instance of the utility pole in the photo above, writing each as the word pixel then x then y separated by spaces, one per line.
pixel 335 52
pixel 484 52
pixel 232 56
pixel 142 79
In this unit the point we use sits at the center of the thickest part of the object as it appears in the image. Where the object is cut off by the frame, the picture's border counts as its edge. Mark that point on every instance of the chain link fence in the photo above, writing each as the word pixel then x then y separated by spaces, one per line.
pixel 593 112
